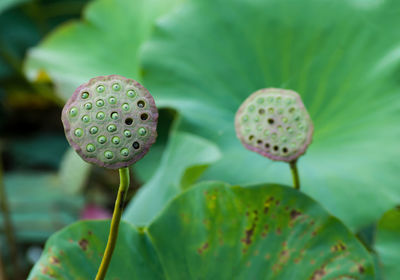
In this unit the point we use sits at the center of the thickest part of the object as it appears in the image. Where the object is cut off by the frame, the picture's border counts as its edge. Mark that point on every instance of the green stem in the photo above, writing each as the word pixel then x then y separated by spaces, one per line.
pixel 295 174
pixel 118 208
pixel 8 226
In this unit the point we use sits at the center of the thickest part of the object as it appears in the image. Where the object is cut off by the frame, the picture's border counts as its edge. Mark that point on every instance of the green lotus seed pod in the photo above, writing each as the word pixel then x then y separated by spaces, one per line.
pixel 111 121
pixel 274 123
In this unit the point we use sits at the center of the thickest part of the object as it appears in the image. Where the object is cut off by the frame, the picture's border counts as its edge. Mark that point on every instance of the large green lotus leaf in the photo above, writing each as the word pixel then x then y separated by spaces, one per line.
pixel 105 42
pixel 184 160
pixel 387 244
pixel 215 231
pixel 341 56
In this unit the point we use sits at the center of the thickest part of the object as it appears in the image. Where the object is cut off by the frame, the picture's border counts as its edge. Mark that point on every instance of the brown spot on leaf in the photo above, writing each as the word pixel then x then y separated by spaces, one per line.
pixel 248 234
pixel 361 269
pixel 90 232
pixel 318 274
pixel 54 260
pixel 294 214
pixel 203 248
pixel 340 246
pixel 277 202
pixel 267 256
pixel 278 231
pixel 83 243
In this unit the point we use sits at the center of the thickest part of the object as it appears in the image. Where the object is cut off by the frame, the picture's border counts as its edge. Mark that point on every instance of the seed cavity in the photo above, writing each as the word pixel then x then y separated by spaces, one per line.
pixel 136 145
pixel 128 121
pixel 131 93
pixel 141 104
pixel 142 131
pixel 108 154
pixel 85 95
pixel 116 87
pixel 100 88
pixel 112 100
pixel 127 133
pixel 125 106
pixel 100 115
pixel 144 116
pixel 93 130
pixel 90 148
pixel 111 128
pixel 85 119
pixel 101 139
pixel 114 115
pixel 88 106
pixel 116 140
pixel 271 121
pixel 78 132
pixel 73 111
pixel 124 152
pixel 100 103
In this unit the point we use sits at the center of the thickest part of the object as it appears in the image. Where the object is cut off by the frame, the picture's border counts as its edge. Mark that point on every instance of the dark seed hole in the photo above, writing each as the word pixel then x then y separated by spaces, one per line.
pixel 259 142
pixel 267 145
pixel 270 121
pixel 251 137
pixel 128 121
pixel 285 150
pixel 261 111
pixel 136 145
pixel 140 104
pixel 144 116
pixel 276 148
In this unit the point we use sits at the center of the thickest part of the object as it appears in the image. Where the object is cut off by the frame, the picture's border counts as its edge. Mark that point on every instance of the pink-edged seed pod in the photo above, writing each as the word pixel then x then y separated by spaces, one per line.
pixel 111 121
pixel 274 123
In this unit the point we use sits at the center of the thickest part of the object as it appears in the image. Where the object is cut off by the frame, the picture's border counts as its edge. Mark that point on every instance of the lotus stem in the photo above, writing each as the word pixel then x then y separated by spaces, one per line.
pixel 116 218
pixel 295 174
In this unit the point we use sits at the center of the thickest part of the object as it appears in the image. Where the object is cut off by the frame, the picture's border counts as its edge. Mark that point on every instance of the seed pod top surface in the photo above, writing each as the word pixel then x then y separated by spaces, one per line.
pixel 110 121
pixel 274 123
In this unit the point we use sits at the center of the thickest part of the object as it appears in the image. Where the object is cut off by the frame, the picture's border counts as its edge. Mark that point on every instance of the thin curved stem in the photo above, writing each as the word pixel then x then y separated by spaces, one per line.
pixel 295 174
pixel 118 208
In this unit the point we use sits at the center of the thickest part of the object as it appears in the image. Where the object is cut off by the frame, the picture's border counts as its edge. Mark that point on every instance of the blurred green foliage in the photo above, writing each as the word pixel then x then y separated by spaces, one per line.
pixel 201 59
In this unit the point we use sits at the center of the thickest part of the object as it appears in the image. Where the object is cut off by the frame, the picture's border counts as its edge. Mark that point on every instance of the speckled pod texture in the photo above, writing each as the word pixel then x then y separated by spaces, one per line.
pixel 111 121
pixel 274 123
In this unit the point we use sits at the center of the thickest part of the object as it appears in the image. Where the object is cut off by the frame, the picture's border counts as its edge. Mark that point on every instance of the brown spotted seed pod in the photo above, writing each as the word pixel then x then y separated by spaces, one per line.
pixel 111 121
pixel 274 123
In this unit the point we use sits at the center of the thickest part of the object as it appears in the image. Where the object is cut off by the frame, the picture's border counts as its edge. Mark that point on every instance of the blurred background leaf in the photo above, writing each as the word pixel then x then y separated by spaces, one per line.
pixel 220 232
pixel 341 56
pixel 105 42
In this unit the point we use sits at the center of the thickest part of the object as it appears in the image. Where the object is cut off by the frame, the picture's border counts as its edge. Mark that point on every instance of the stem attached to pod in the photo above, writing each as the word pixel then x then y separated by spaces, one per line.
pixel 118 208
pixel 295 174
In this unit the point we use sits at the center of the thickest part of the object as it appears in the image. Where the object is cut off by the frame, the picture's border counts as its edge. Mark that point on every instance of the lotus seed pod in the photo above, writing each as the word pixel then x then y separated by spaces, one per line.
pixel 110 121
pixel 274 123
